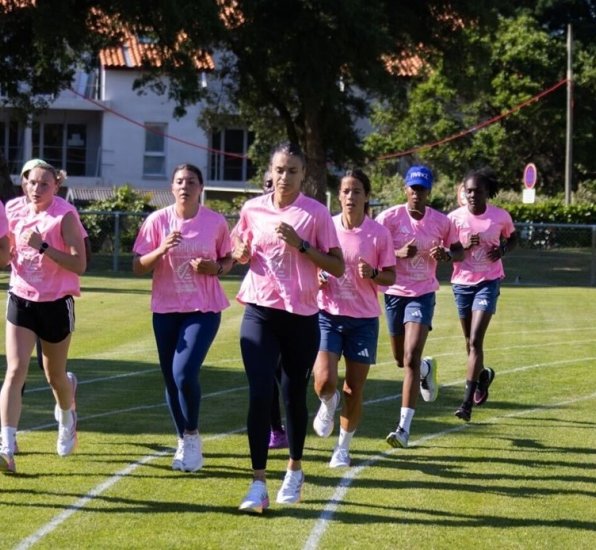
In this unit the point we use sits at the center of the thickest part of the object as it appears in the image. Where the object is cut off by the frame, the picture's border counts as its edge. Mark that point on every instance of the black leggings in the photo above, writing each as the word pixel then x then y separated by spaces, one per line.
pixel 266 335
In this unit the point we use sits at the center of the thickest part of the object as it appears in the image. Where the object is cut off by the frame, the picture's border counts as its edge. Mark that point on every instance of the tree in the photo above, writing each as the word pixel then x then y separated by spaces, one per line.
pixel 284 62
pixel 279 63
pixel 39 53
pixel 495 72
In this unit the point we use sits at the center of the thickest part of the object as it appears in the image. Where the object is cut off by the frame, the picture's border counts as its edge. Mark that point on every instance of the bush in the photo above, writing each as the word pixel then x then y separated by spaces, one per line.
pixel 552 211
pixel 101 227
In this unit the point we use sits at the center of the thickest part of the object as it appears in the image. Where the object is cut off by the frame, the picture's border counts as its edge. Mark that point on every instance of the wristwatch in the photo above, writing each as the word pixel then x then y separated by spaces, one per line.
pixel 44 246
pixel 304 246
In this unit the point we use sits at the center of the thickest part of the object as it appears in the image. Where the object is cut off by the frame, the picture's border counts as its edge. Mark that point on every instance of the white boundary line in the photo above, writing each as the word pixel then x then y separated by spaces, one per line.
pixel 344 483
pixel 98 490
pixel 317 532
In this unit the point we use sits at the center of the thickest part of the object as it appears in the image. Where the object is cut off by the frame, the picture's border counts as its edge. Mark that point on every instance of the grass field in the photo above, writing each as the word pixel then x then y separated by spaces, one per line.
pixel 522 474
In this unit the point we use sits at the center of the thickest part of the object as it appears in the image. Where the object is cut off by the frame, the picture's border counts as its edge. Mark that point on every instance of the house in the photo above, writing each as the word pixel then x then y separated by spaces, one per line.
pixel 104 134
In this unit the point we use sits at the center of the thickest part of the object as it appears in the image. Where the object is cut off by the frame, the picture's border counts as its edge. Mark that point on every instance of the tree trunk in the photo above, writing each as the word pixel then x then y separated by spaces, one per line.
pixel 315 184
pixel 7 190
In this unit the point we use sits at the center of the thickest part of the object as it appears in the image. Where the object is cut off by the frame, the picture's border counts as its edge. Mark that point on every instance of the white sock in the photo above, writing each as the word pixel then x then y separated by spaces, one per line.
pixel 405 418
pixel 345 438
pixel 8 438
pixel 66 418
pixel 328 402
pixel 424 369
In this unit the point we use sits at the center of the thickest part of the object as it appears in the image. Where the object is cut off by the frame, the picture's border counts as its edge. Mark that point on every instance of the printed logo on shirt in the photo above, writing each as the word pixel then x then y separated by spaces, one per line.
pixel 346 284
pixel 480 258
pixel 280 266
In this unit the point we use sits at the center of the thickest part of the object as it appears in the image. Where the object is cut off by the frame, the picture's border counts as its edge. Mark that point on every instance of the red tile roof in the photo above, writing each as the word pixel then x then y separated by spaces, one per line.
pixel 134 53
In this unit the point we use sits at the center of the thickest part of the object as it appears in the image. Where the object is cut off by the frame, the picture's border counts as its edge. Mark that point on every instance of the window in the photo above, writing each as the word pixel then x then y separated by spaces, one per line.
pixel 11 145
pixel 154 160
pixel 62 145
pixel 230 168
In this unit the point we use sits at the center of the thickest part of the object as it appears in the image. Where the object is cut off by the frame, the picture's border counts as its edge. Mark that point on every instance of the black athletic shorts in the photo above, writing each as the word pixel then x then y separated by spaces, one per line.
pixel 51 321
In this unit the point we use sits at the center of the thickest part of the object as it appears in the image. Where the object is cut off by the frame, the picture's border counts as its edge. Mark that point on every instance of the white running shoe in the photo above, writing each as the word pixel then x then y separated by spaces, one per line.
pixel 340 458
pixel 323 422
pixel 291 488
pixel 398 438
pixel 16 445
pixel 7 464
pixel 192 456
pixel 178 455
pixel 429 387
pixel 67 437
pixel 257 498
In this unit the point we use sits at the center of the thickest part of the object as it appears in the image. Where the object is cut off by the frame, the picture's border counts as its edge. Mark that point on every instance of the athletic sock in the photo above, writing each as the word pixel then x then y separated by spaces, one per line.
pixel 405 418
pixel 345 438
pixel 471 386
pixel 66 419
pixel 8 438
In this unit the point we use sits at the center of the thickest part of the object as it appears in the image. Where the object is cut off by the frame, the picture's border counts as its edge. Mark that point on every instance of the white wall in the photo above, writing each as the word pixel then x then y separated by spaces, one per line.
pixel 123 142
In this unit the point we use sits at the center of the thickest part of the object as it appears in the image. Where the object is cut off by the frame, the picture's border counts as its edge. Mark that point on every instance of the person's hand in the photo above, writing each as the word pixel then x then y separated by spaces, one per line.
pixel 323 278
pixel 408 250
pixel 440 254
pixel 241 252
pixel 32 238
pixel 473 240
pixel 365 270
pixel 288 234
pixel 172 240
pixel 495 253
pixel 204 266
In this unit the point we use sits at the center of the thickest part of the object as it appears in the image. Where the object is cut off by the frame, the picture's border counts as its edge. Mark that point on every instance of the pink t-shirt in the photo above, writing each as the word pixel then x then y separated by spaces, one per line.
pixel 175 286
pixel 3 221
pixel 34 276
pixel 493 224
pixel 21 202
pixel 350 294
pixel 416 276
pixel 281 277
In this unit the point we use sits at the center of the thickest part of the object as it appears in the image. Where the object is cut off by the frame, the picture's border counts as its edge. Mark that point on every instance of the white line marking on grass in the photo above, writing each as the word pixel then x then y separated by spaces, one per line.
pixel 100 379
pixel 73 508
pixel 129 410
pixel 342 488
pixel 317 532
pixel 98 490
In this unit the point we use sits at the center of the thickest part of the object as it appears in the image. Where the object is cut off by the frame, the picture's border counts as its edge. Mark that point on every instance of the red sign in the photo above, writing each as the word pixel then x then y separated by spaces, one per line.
pixel 530 175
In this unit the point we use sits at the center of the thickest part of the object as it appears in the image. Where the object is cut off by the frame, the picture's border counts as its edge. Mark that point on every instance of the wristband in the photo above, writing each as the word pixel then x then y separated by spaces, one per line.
pixel 44 246
pixel 374 273
pixel 448 255
pixel 304 246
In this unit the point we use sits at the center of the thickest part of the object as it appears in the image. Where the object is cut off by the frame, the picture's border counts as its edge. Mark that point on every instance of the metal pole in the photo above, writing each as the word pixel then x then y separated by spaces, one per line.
pixel 116 256
pixel 593 269
pixel 569 135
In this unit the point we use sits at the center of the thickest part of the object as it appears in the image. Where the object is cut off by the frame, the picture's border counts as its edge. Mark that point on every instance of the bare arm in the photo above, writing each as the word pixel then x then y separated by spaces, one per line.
pixel 74 260
pixel 384 276
pixel 4 251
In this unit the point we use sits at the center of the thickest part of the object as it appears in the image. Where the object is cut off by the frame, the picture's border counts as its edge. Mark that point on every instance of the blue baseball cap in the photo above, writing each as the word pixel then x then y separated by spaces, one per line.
pixel 419 175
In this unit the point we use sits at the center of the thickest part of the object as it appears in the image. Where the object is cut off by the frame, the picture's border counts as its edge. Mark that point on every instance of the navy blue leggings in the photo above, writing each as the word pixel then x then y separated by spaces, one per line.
pixel 183 340
pixel 267 334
